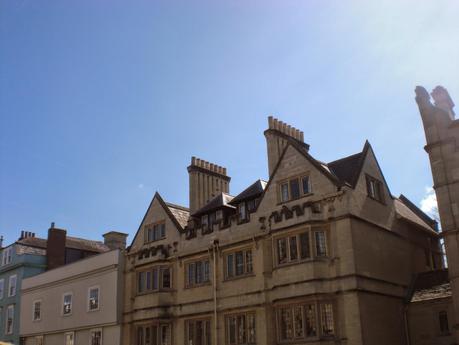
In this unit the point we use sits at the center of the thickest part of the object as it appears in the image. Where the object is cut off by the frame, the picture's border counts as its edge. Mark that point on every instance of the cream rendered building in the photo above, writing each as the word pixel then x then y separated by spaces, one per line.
pixel 79 303
pixel 321 253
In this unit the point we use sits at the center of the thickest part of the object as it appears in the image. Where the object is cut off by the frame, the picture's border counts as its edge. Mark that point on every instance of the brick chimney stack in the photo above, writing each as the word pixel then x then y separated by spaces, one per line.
pixel 206 181
pixel 55 247
pixel 277 136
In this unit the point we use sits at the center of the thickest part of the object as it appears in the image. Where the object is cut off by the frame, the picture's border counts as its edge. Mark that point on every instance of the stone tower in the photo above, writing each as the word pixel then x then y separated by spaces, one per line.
pixel 442 136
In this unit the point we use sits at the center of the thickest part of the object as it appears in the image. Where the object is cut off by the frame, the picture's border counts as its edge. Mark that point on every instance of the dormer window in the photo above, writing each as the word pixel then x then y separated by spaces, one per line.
pixel 155 232
pixel 374 188
pixel 294 188
pixel 242 211
pixel 219 215
pixel 205 221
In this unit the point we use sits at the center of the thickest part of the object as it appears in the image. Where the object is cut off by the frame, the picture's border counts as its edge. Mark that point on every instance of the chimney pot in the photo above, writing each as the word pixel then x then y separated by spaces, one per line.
pixel 270 122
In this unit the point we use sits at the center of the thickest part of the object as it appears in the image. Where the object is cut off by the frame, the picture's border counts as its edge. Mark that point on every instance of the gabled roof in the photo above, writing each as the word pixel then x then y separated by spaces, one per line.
pixel 347 168
pixel 421 214
pixel 431 285
pixel 176 214
pixel 71 242
pixel 180 213
pixel 219 201
pixel 405 212
pixel 254 190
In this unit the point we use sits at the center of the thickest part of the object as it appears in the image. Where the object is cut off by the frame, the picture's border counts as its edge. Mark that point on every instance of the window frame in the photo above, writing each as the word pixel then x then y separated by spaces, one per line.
pixel 312 246
pixel 92 332
pixel 160 279
pixel 39 340
pixel 194 283
pixel 7 330
pixel 91 288
pixel 288 183
pixel 207 330
pixel 34 303
pixel 246 264
pixel 7 255
pixel 151 227
pixel 378 189
pixel 2 290
pixel 159 333
pixel 236 316
pixel 73 337
pixel 318 320
pixel 11 278
pixel 63 313
pixel 444 331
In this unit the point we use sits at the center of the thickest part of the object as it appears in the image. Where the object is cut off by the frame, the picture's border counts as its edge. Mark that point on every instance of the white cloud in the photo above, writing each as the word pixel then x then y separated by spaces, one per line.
pixel 429 203
pixel 140 186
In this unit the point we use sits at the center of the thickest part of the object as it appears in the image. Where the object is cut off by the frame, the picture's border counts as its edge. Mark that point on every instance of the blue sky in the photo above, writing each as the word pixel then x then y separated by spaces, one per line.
pixel 104 102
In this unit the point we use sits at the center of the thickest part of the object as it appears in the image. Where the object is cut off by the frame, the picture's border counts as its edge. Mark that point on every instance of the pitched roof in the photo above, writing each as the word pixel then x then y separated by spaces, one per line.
pixel 431 285
pixel 180 213
pixel 71 242
pixel 406 213
pixel 219 201
pixel 254 190
pixel 432 222
pixel 176 213
pixel 347 169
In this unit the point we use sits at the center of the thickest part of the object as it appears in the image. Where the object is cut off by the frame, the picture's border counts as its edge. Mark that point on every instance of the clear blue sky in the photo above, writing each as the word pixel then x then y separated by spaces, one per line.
pixel 104 102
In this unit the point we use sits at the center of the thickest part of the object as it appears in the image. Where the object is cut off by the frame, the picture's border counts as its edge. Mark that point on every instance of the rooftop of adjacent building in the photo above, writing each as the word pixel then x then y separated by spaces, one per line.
pixel 431 285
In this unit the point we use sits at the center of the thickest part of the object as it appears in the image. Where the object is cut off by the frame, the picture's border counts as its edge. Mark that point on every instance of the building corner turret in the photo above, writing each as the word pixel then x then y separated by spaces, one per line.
pixel 442 136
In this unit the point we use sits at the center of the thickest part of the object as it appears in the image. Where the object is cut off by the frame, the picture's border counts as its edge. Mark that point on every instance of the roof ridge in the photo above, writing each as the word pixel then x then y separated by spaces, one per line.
pixel 180 207
pixel 354 155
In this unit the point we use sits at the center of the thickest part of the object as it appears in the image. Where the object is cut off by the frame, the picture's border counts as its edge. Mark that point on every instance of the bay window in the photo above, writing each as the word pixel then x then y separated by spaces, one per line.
pixel 240 329
pixel 297 247
pixel 301 321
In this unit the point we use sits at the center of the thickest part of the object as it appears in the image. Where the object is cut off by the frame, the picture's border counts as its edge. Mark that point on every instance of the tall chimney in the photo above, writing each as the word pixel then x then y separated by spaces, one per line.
pixel 115 240
pixel 1 241
pixel 277 136
pixel 206 181
pixel 55 247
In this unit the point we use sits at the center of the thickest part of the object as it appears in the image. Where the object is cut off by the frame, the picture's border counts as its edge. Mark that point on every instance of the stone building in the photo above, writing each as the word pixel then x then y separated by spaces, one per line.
pixel 29 256
pixel 321 253
pixel 442 136
pixel 78 303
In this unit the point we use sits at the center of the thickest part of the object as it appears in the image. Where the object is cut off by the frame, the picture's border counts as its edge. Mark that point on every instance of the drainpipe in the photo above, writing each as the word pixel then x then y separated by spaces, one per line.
pixel 214 281
pixel 407 330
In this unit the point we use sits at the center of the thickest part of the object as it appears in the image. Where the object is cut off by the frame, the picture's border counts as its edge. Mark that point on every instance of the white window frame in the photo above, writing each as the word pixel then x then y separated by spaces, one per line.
pixel 2 290
pixel 14 278
pixel 73 338
pixel 33 310
pixel 7 255
pixel 10 307
pixel 89 298
pixel 92 331
pixel 63 305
